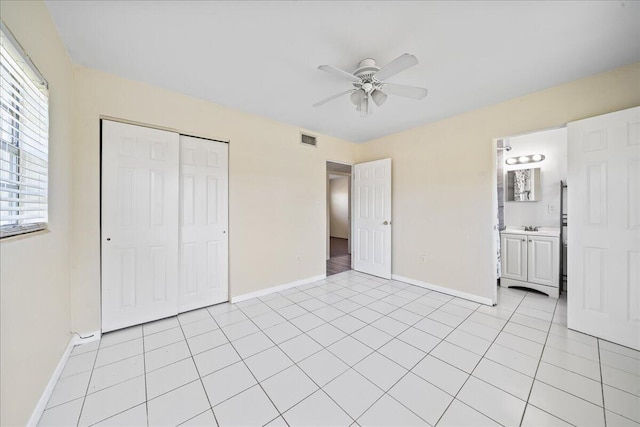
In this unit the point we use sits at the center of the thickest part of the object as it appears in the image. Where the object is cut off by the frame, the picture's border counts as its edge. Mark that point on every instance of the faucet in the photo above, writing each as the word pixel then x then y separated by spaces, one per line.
pixel 530 228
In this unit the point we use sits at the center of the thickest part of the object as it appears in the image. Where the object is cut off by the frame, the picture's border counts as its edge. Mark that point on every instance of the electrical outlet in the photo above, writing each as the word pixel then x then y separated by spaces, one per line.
pixel 551 209
pixel 297 258
pixel 423 258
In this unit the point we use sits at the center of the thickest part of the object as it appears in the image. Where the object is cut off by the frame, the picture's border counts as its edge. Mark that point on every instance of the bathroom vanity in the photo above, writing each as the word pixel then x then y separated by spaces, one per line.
pixel 531 259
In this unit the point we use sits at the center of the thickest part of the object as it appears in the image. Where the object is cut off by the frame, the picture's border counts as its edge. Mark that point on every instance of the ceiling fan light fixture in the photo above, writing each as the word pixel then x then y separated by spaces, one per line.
pixel 379 97
pixel 357 97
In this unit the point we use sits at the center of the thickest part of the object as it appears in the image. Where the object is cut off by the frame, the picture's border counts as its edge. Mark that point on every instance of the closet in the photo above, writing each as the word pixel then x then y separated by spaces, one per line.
pixel 164 224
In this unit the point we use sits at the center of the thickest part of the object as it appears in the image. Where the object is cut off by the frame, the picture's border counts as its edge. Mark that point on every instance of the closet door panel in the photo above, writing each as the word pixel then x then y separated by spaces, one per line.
pixel 139 224
pixel 203 223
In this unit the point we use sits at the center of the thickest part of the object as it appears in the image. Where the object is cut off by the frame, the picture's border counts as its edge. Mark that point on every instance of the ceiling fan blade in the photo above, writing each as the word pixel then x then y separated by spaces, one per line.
pixel 401 63
pixel 406 91
pixel 333 70
pixel 331 98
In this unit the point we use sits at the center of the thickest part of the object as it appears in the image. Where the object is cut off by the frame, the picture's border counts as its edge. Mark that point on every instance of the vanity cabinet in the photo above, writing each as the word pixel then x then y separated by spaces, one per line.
pixel 530 261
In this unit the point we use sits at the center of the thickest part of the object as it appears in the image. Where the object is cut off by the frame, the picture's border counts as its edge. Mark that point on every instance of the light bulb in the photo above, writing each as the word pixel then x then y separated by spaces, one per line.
pixel 524 159
pixel 536 157
pixel 512 161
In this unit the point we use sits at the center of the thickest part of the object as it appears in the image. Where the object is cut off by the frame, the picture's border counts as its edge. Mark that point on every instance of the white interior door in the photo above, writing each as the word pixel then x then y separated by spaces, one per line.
pixel 604 227
pixel 139 233
pixel 203 223
pixel 372 218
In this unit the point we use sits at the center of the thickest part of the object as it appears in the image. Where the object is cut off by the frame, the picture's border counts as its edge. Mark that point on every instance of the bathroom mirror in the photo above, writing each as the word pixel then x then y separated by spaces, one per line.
pixel 523 185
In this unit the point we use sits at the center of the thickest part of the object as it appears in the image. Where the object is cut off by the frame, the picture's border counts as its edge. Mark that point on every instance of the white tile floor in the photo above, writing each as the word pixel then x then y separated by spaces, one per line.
pixel 353 350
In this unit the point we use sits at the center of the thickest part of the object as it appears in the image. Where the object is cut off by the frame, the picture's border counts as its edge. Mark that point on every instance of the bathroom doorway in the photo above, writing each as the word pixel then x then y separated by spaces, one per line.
pixel 530 207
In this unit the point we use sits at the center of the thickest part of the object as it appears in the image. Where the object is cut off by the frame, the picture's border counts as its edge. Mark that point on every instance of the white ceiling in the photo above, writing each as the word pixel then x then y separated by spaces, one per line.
pixel 262 57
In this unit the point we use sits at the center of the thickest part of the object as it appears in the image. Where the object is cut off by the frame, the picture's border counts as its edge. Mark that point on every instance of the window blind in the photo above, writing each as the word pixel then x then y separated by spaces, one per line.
pixel 24 141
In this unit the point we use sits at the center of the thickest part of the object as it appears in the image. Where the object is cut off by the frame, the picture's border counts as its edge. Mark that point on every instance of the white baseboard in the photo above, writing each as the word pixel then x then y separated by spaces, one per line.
pixel 278 288
pixel 444 290
pixel 48 390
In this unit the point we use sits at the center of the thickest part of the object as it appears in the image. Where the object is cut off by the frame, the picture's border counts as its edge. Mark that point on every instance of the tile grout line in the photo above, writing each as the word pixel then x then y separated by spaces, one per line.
pixel 455 397
pixel 467 318
pixel 246 318
pixel 535 374
pixel 247 367
pixel 418 295
pixel 199 376
pixel 385 392
pixel 443 339
pixel 468 374
pixel 322 348
pixel 144 372
pixel 84 399
pixel 325 348
pixel 604 410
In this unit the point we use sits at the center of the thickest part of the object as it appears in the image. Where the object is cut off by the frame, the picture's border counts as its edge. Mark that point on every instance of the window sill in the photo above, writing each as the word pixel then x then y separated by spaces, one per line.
pixel 24 235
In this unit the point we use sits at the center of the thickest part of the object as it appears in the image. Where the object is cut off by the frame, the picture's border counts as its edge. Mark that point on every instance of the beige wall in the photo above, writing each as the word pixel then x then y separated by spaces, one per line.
pixel 339 207
pixel 277 186
pixel 35 269
pixel 443 176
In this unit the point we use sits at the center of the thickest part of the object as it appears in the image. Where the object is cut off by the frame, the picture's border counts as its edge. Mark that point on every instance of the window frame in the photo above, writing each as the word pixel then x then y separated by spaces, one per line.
pixel 18 163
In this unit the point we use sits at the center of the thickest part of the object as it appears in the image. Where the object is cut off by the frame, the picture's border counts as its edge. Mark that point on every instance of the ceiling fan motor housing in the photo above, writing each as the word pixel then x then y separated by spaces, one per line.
pixel 366 69
pixel 365 72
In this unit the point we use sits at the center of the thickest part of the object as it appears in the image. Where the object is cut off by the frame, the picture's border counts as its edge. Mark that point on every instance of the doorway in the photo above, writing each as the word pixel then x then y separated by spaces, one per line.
pixel 530 237
pixel 338 218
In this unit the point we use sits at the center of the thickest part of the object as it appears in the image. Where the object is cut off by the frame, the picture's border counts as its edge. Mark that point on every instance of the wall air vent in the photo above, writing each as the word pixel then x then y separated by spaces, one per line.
pixel 309 140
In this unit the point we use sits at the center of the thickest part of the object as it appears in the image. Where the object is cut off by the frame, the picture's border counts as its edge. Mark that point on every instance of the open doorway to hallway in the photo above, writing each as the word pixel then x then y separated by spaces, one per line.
pixel 338 217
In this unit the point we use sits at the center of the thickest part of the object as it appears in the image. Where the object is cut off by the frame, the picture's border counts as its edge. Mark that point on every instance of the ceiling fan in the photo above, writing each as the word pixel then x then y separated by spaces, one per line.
pixel 368 82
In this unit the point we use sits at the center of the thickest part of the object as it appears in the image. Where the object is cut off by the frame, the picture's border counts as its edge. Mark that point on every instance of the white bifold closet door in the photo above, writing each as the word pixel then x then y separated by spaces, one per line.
pixel 164 224
pixel 203 223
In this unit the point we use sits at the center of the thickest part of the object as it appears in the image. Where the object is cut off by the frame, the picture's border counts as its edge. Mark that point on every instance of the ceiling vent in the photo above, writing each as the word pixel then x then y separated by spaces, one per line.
pixel 309 140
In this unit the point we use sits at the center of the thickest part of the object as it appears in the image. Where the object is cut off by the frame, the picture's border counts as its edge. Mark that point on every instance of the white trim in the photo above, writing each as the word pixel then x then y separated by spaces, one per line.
pixel 48 390
pixel 494 215
pixel 278 288
pixel 442 289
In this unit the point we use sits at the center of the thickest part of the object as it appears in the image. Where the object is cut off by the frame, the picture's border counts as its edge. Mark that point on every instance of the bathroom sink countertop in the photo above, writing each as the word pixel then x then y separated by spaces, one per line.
pixel 542 231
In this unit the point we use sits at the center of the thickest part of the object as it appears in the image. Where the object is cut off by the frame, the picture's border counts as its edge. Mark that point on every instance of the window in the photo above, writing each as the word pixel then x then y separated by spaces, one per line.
pixel 24 141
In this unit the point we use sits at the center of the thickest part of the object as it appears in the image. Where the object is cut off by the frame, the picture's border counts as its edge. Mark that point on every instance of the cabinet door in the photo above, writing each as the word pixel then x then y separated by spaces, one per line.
pixel 514 256
pixel 543 260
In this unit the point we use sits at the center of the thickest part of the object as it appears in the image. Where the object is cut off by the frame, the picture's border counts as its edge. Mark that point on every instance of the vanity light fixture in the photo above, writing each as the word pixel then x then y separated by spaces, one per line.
pixel 531 158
